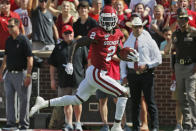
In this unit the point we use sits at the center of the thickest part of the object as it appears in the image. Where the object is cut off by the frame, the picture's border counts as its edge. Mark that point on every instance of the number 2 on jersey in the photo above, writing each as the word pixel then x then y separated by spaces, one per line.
pixel 112 50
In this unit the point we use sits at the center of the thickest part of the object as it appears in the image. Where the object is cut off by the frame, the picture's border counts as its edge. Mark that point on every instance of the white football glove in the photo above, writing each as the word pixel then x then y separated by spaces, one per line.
pixel 133 56
pixel 69 68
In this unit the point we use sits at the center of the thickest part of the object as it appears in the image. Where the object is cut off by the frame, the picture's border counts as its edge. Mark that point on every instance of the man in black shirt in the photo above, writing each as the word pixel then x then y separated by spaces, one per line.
pixel 85 23
pixel 185 68
pixel 68 83
pixel 19 61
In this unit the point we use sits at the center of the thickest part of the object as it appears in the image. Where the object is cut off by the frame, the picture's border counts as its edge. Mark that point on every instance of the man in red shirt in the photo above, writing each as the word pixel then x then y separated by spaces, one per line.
pixel 5 15
pixel 96 9
pixel 192 14
pixel 104 41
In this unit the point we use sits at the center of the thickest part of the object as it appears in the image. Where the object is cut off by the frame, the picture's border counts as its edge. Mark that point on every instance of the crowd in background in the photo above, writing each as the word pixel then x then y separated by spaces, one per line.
pixel 44 23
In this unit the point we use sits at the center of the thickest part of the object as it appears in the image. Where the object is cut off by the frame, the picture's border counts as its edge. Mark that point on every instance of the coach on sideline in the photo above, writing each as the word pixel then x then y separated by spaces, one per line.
pixel 140 74
pixel 19 61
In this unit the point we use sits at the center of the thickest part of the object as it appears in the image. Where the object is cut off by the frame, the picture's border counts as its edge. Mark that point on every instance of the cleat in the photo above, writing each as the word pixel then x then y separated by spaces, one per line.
pixel 39 104
pixel 116 128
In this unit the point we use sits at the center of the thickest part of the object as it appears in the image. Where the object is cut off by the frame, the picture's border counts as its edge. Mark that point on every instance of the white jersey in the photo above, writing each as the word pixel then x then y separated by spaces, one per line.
pixel 25 20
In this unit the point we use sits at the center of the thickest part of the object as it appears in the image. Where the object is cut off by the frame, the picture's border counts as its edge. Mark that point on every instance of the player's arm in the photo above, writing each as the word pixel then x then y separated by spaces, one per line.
pixel 84 41
pixel 118 50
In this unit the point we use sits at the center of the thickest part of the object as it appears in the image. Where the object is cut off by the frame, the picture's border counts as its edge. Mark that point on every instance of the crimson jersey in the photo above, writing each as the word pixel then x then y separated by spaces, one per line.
pixel 105 48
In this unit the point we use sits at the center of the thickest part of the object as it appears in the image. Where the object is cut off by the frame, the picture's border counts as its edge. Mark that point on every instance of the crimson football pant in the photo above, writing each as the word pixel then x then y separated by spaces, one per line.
pixel 95 79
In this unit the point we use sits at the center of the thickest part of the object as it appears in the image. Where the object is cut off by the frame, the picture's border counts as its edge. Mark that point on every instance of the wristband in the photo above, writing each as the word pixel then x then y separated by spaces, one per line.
pixel 28 75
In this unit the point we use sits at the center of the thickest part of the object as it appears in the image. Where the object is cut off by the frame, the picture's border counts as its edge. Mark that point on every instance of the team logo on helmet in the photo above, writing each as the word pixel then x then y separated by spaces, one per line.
pixel 108 18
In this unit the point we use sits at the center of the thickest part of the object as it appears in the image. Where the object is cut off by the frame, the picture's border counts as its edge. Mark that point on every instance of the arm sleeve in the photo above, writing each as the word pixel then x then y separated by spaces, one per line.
pixel 156 57
pixel 27 49
pixel 52 58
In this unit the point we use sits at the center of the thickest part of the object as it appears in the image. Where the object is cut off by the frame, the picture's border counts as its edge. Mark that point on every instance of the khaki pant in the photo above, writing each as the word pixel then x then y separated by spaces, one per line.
pixel 186 88
pixel 58 118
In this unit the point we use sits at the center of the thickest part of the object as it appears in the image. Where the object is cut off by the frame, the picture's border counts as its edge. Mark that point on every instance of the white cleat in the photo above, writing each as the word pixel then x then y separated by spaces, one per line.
pixel 116 128
pixel 39 104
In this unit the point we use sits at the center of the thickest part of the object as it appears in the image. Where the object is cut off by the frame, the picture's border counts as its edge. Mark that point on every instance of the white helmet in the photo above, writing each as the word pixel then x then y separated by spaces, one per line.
pixel 108 18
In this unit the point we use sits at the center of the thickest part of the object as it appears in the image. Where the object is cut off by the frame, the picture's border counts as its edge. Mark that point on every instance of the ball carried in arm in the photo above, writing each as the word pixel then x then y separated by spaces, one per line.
pixel 128 54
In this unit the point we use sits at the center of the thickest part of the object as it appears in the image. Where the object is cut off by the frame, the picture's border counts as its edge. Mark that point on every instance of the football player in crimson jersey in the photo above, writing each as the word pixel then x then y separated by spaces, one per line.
pixel 104 41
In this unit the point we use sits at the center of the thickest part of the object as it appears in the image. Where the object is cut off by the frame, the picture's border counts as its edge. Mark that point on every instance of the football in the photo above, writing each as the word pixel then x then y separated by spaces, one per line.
pixel 124 52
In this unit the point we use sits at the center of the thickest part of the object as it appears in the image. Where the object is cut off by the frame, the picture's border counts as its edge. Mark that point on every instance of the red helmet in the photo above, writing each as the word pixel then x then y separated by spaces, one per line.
pixel 108 18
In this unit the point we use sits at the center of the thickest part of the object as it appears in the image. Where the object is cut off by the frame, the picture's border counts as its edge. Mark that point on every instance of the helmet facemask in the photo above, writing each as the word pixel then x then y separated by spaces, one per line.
pixel 108 21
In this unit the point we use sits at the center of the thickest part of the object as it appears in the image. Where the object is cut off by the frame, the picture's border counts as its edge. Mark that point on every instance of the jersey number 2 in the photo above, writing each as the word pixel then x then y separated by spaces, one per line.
pixel 112 50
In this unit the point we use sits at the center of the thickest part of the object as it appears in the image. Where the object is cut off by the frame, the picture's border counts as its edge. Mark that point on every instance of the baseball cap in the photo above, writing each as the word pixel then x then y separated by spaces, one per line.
pixel 182 12
pixel 67 28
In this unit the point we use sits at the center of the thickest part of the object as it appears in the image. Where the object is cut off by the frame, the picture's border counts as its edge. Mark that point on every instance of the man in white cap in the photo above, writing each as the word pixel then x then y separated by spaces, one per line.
pixel 139 75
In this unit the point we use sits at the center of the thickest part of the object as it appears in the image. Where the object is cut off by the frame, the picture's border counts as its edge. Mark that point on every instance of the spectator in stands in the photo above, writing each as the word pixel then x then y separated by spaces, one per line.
pixel 122 16
pixel 167 34
pixel 140 8
pixel 15 4
pixel 140 74
pixel 85 23
pixel 96 9
pixel 192 15
pixel 18 61
pixel 165 4
pixel 68 83
pixel 57 3
pixel 149 6
pixel 185 68
pixel 24 16
pixel 157 24
pixel 64 18
pixel 5 15
pixel 172 15
pixel 193 5
pixel 43 28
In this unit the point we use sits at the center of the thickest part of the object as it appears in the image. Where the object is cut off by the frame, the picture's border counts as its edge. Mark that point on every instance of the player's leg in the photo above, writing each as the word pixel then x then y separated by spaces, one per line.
pixel 85 90
pixel 62 101
pixel 111 86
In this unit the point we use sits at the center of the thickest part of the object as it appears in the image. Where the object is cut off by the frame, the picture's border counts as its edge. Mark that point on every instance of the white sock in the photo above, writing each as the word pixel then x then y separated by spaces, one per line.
pixel 45 104
pixel 120 107
pixel 65 100
pixel 117 124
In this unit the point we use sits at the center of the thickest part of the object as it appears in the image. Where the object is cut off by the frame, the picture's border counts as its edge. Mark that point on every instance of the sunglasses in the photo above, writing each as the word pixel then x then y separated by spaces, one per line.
pixel 67 33
pixel 137 26
pixel 10 26
pixel 41 1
